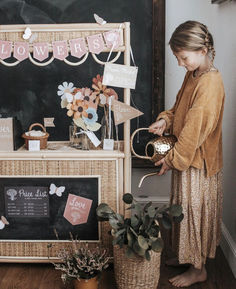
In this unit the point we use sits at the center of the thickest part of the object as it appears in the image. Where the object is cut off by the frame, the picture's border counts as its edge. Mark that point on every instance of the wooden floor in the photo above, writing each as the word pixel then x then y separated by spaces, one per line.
pixel 43 276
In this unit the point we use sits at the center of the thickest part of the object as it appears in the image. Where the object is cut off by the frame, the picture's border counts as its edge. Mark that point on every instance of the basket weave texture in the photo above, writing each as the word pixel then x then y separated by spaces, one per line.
pixel 136 272
pixel 43 139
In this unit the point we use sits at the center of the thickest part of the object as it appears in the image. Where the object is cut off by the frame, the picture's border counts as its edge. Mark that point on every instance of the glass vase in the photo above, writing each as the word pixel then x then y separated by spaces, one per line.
pixel 78 139
pixel 107 131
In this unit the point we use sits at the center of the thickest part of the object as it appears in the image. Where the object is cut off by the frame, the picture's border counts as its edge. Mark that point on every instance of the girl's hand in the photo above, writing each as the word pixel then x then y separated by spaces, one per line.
pixel 158 127
pixel 164 167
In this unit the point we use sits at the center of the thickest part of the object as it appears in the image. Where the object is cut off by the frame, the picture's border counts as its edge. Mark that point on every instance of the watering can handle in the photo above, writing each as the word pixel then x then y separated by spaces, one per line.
pixel 131 144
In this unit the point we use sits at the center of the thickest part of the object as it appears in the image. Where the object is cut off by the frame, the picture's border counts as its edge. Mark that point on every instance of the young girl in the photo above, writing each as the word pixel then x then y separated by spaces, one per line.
pixel 196 159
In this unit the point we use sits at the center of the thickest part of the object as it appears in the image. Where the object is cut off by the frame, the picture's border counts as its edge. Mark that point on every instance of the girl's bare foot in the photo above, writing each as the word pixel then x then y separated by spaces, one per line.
pixel 191 276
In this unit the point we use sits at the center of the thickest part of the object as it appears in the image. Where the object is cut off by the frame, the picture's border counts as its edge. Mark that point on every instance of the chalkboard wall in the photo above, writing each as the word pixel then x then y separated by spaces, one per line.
pixel 30 92
pixel 42 227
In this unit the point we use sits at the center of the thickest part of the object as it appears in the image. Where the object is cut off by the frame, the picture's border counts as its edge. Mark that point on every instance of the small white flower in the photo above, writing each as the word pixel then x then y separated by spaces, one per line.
pixel 69 97
pixel 64 88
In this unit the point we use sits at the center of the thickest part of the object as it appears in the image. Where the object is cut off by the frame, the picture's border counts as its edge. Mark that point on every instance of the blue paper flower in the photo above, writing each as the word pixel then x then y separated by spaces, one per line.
pixel 92 116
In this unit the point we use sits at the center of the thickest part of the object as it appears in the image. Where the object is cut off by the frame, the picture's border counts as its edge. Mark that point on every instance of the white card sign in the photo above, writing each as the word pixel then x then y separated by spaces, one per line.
pixel 34 145
pixel 120 75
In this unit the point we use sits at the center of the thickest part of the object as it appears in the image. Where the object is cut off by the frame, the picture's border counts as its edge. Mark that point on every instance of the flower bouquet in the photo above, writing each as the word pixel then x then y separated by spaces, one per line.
pixel 82 104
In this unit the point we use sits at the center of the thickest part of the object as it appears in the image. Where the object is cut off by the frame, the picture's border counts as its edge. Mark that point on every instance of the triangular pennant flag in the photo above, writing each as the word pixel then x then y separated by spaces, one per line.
pixel 123 112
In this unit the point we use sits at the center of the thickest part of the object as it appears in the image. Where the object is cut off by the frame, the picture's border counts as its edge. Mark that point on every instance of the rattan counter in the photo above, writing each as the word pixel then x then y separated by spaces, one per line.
pixel 61 160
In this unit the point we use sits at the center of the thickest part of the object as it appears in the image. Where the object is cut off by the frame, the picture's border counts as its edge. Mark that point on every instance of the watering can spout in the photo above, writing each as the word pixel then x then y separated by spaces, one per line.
pixel 144 177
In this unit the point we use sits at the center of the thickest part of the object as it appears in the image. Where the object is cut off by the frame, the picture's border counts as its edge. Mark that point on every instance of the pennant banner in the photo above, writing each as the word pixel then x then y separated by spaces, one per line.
pixel 95 43
pixel 123 112
pixel 21 50
pixel 78 47
pixel 5 50
pixel 41 51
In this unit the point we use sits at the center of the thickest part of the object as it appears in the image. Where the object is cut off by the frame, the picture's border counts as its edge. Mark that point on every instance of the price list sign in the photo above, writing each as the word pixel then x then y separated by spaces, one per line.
pixel 26 202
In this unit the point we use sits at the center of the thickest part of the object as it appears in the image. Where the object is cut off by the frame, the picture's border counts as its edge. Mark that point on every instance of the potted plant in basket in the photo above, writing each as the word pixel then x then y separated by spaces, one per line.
pixel 81 265
pixel 137 242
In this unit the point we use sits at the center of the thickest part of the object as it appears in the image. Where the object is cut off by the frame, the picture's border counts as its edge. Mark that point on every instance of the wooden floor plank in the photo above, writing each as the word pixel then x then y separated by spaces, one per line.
pixel 44 276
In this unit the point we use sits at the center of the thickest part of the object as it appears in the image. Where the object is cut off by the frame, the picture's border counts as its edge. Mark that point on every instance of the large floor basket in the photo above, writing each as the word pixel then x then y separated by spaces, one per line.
pixel 137 272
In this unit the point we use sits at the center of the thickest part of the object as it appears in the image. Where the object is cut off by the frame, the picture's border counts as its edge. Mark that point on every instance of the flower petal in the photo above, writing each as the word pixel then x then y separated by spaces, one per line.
pixel 65 84
pixel 70 85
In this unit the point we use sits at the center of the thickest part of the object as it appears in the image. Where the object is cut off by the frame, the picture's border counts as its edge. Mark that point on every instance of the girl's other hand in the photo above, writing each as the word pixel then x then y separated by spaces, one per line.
pixel 158 127
pixel 164 167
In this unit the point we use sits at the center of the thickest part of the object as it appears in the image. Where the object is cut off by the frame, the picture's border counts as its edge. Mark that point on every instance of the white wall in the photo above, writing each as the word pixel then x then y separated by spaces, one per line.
pixel 221 21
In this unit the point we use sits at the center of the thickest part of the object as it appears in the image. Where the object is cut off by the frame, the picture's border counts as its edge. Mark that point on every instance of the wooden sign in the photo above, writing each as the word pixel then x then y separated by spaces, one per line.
pixel 27 202
pixel 6 134
pixel 120 75
pixel 123 112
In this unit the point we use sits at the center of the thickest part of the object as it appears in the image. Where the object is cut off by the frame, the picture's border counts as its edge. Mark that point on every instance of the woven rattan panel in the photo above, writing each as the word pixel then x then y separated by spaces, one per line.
pixel 106 168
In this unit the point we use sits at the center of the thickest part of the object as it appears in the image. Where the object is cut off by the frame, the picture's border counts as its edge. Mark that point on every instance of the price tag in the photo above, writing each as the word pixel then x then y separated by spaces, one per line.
pixel 34 145
pixel 91 135
pixel 108 144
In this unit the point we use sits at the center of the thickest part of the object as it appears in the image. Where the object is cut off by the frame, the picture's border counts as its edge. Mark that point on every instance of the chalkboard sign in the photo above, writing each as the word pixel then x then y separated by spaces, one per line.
pixel 34 208
pixel 30 92
pixel 29 202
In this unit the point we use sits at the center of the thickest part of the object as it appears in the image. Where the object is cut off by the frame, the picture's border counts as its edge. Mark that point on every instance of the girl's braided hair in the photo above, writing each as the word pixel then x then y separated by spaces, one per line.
pixel 192 36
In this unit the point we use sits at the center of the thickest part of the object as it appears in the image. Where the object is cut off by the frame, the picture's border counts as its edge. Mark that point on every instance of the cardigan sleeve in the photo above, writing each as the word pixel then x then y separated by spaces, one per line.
pixel 168 115
pixel 200 121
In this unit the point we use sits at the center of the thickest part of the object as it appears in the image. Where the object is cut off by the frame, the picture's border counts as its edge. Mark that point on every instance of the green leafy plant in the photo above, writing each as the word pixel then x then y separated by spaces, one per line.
pixel 77 261
pixel 141 231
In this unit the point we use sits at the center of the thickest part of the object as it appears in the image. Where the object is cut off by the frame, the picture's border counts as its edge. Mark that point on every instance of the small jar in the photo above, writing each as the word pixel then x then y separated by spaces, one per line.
pixel 78 139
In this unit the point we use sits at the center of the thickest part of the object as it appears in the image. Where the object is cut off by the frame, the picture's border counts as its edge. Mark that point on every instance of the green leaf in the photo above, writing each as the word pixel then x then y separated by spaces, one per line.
pixel 120 232
pixel 178 219
pixel 104 210
pixel 94 127
pixel 157 245
pixel 128 198
pixel 140 251
pixel 134 221
pixel 166 222
pixel 120 218
pixel 147 255
pixel 64 103
pixel 142 242
pixel 175 210
pixel 151 212
pixel 147 206
pixel 80 123
pixel 114 223
pixel 130 239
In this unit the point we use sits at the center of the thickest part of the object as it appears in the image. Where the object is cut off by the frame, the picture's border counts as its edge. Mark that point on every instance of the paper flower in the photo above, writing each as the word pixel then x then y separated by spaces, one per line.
pixel 92 116
pixel 64 88
pixel 102 91
pixel 77 109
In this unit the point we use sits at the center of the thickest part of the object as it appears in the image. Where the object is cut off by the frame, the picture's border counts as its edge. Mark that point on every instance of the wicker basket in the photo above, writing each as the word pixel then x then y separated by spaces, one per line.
pixel 136 272
pixel 43 139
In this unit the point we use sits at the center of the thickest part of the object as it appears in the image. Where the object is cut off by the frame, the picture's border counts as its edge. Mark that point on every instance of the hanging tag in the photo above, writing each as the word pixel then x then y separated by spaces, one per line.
pixel 34 145
pixel 108 144
pixel 119 75
pixel 91 135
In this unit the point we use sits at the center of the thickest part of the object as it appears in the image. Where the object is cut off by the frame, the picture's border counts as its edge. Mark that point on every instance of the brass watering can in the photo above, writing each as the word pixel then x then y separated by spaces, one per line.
pixel 155 149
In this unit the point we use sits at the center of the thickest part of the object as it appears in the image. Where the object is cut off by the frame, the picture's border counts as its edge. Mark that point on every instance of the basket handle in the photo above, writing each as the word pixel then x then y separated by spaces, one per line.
pixel 37 124
pixel 131 144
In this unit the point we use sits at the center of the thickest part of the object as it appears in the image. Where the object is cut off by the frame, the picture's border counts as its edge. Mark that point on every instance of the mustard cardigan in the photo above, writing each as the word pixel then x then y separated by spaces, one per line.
pixel 196 121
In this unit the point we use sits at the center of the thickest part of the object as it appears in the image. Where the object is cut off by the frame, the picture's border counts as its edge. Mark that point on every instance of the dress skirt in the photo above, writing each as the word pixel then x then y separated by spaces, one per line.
pixel 198 235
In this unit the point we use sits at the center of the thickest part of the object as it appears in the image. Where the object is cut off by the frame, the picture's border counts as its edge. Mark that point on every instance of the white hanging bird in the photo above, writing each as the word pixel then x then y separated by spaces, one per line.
pixel 27 34
pixel 3 222
pixel 99 20
pixel 56 190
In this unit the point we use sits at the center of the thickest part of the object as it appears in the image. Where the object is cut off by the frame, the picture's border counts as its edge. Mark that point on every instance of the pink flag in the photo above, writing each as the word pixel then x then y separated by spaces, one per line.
pixel 78 47
pixel 112 37
pixel 95 43
pixel 77 209
pixel 5 49
pixel 40 51
pixel 21 50
pixel 60 49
